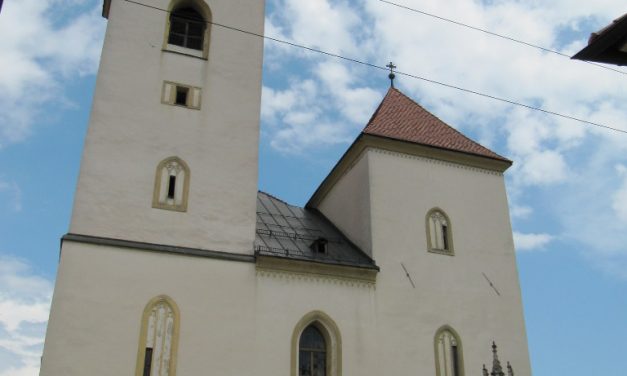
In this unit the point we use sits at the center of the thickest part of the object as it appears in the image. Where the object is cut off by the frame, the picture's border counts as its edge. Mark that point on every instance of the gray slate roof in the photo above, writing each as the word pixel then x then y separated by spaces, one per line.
pixel 288 231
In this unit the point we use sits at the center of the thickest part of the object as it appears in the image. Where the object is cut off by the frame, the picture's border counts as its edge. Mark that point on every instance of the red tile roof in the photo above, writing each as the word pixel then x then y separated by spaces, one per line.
pixel 399 117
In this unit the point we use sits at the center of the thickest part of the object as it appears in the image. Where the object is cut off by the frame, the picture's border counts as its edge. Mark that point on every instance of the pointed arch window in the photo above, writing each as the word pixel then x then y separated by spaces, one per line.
pixel 312 353
pixel 171 185
pixel 316 347
pixel 448 353
pixel 158 340
pixel 439 234
pixel 188 28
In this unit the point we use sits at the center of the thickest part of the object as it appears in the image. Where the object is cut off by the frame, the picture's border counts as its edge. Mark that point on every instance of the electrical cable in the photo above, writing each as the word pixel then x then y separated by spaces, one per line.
pixel 511 39
pixel 371 65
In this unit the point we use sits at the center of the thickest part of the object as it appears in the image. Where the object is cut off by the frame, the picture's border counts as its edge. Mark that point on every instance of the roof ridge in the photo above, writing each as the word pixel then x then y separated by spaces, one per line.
pixel 276 198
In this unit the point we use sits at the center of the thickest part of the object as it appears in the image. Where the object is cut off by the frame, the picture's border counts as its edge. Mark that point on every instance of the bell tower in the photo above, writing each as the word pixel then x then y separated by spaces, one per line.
pixel 165 206
pixel 171 152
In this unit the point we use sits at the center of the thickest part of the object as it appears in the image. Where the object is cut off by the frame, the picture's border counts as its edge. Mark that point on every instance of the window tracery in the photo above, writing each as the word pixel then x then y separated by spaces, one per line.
pixel 439 235
pixel 448 353
pixel 158 338
pixel 171 185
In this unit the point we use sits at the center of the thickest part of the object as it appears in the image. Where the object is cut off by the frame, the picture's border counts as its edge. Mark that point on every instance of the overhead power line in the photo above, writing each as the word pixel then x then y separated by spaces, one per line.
pixel 380 67
pixel 511 39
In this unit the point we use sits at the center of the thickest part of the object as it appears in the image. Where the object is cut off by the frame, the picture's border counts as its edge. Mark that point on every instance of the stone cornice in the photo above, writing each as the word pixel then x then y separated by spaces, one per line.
pixel 404 149
pixel 150 247
pixel 267 265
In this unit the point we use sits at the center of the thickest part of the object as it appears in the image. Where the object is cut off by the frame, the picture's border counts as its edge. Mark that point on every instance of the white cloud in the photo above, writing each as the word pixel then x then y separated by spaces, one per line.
pixel 332 25
pixel 11 192
pixel 522 212
pixel 38 55
pixel 297 121
pixel 22 371
pixel 619 198
pixel 531 242
pixel 544 167
pixel 24 308
pixel 356 104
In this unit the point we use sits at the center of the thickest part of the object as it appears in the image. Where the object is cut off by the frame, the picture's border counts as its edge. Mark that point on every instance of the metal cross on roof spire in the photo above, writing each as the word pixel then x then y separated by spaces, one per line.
pixel 392 76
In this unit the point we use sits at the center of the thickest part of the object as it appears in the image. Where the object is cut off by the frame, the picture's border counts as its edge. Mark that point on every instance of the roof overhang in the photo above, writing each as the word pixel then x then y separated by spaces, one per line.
pixel 368 141
pixel 608 45
pixel 105 8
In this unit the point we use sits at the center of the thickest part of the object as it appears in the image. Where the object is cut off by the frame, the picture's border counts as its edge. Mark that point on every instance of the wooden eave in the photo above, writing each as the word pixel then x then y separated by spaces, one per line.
pixel 105 8
pixel 605 46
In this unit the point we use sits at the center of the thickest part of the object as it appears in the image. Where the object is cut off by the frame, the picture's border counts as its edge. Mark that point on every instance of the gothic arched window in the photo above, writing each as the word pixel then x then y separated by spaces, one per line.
pixel 439 234
pixel 312 353
pixel 171 185
pixel 316 347
pixel 188 27
pixel 448 353
pixel 158 340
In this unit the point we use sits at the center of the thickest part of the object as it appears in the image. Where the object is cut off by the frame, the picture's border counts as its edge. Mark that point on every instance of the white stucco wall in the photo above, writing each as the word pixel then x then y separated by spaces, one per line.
pixel 348 205
pixel 131 131
pixel 100 295
pixel 238 320
pixel 394 192
pixel 232 320
pixel 450 290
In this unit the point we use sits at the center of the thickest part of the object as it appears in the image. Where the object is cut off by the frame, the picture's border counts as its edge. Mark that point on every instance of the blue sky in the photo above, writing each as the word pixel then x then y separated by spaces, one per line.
pixel 567 189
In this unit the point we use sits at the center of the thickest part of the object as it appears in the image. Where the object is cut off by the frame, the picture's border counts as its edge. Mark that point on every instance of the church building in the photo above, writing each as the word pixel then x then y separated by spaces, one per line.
pixel 401 263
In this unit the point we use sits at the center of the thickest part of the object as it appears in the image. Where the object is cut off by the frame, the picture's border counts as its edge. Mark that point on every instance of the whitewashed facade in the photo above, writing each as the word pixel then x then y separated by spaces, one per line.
pixel 161 272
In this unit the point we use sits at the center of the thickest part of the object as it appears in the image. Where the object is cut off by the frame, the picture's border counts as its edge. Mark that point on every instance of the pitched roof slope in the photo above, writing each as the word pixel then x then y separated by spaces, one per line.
pixel 399 117
pixel 288 231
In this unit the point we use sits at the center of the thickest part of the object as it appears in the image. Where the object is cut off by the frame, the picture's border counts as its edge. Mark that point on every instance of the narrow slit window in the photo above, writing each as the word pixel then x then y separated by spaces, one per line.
pixel 171 187
pixel 147 362
pixel 181 95
pixel 445 237
pixel 455 360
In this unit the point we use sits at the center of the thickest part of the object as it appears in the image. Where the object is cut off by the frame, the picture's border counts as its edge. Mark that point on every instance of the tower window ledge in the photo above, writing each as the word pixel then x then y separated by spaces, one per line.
pixel 441 251
pixel 184 51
